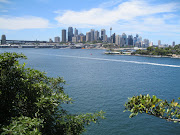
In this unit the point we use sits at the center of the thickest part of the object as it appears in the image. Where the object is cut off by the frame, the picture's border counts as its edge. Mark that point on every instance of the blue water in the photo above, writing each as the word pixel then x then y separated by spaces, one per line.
pixel 104 82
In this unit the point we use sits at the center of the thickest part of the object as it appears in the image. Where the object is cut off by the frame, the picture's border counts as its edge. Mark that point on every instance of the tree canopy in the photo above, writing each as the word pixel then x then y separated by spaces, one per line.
pixel 153 106
pixel 31 102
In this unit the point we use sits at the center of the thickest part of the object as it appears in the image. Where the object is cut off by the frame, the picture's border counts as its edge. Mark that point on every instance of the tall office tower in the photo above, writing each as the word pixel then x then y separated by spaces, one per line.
pixel 92 35
pixel 70 34
pixel 63 35
pixel 159 42
pixel 75 32
pixel 3 39
pixel 113 38
pixel 96 35
pixel 146 43
pixel 173 43
pixel 57 39
pixel 118 40
pixel 135 39
pixel 88 36
pixel 124 40
pixel 103 34
pixel 130 40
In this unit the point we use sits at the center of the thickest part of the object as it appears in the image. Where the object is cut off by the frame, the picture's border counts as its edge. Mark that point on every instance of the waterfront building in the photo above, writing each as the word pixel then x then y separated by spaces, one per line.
pixel 70 34
pixel 96 35
pixel 75 32
pixel 3 39
pixel 130 40
pixel 118 40
pixel 57 39
pixel 63 35
pixel 159 43
pixel 75 39
pixel 92 35
pixel 88 36
pixel 103 35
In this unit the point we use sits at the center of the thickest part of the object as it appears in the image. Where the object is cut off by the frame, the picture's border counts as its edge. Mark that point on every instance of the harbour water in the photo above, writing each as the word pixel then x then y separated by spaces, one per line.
pixel 104 82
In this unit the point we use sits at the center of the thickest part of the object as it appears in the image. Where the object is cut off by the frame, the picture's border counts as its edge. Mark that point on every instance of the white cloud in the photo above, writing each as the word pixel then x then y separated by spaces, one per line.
pixel 126 11
pixel 16 23
pixel 5 1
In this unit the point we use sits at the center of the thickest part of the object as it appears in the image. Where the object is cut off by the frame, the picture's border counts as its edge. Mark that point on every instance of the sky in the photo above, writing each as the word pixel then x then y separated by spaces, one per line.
pixel 43 19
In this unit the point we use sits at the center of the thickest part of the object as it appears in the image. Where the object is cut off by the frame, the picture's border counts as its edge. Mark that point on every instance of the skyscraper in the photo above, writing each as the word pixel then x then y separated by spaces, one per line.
pixel 92 35
pixel 113 38
pixel 146 43
pixel 173 43
pixel 96 35
pixel 88 36
pixel 3 39
pixel 118 40
pixel 124 40
pixel 57 39
pixel 159 42
pixel 70 34
pixel 103 34
pixel 75 32
pixel 130 40
pixel 63 35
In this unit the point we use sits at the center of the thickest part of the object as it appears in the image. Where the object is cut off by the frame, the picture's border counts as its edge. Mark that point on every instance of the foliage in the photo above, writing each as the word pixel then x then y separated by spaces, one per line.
pixel 28 95
pixel 160 51
pixel 153 106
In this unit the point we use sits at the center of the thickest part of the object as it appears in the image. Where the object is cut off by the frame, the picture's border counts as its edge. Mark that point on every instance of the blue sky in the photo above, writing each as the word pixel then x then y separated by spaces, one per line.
pixel 44 19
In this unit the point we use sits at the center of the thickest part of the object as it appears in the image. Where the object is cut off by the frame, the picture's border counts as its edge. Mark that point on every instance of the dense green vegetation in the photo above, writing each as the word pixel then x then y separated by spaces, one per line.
pixel 168 51
pixel 153 106
pixel 31 102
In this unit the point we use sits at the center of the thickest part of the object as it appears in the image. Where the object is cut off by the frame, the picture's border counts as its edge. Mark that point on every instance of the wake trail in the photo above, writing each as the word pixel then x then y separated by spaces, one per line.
pixel 114 60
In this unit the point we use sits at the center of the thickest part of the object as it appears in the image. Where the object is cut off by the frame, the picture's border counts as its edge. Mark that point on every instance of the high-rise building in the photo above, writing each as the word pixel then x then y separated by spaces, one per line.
pixel 70 34
pixel 118 40
pixel 63 35
pixel 103 35
pixel 57 39
pixel 151 44
pixel 92 35
pixel 88 36
pixel 96 35
pixel 75 39
pixel 159 42
pixel 130 40
pixel 173 43
pixel 3 39
pixel 113 38
pixel 124 40
pixel 75 32
pixel 146 43
pixel 82 38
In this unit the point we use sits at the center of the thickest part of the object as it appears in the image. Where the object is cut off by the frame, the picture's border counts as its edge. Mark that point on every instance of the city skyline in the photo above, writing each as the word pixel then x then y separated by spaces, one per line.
pixel 151 19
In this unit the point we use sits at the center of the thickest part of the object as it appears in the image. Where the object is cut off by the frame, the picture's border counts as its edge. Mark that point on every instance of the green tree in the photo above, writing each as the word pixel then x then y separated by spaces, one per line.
pixel 31 102
pixel 153 106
